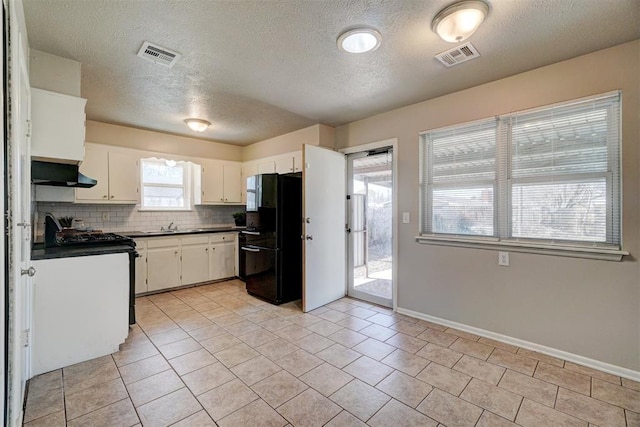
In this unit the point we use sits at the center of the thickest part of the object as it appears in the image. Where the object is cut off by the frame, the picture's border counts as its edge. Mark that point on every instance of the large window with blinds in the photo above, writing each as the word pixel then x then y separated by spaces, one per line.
pixel 549 175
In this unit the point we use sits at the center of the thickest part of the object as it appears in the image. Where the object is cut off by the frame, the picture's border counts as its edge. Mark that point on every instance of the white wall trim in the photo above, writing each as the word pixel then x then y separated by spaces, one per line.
pixel 391 142
pixel 570 357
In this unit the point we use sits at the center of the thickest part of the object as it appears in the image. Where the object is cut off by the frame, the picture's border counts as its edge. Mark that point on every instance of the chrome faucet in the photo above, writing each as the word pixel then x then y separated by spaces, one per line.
pixel 169 228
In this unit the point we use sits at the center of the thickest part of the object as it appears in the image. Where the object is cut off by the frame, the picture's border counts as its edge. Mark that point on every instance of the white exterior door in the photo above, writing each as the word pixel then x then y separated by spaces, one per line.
pixel 324 250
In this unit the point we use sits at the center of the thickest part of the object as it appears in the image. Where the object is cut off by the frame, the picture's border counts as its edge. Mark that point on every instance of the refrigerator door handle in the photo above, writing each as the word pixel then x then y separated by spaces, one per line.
pixel 250 249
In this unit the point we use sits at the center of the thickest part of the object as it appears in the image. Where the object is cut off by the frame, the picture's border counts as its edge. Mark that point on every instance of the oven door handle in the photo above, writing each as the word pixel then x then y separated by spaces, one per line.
pixel 250 249
pixel 253 233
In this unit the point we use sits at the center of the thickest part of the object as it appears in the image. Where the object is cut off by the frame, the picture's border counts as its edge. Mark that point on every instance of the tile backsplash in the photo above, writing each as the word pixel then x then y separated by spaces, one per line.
pixel 122 218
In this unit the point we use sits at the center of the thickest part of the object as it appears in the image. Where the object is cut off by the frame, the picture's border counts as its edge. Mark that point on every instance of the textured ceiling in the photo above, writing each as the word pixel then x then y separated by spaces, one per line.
pixel 260 68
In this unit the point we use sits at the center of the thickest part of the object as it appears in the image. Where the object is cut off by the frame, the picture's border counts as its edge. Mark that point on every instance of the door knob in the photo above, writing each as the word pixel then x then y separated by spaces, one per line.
pixel 31 271
pixel 309 237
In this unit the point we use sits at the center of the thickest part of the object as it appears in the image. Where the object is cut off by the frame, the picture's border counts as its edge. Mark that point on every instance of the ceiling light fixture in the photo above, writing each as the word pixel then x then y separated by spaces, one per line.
pixel 359 40
pixel 457 22
pixel 197 125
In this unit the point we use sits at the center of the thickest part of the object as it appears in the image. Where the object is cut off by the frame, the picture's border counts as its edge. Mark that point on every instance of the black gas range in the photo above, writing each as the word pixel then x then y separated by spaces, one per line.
pixel 56 236
pixel 93 239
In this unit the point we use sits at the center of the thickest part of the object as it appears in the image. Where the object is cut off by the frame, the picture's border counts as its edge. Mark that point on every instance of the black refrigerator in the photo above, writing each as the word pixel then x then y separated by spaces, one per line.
pixel 271 246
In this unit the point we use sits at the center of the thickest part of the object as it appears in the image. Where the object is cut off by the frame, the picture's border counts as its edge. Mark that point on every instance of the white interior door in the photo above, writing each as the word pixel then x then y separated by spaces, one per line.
pixel 324 249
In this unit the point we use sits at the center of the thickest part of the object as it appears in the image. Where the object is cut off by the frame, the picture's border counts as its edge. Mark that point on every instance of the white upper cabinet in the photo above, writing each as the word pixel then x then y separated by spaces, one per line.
pixel 221 182
pixel 117 173
pixel 57 129
pixel 267 167
pixel 284 164
pixel 232 182
pixel 297 161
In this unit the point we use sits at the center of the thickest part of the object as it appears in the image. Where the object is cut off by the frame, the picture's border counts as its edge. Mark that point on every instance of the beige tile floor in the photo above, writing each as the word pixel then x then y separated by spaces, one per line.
pixel 213 355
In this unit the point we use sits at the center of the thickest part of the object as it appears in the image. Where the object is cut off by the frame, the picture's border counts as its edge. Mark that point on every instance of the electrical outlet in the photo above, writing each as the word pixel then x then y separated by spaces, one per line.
pixel 105 216
pixel 503 259
pixel 405 217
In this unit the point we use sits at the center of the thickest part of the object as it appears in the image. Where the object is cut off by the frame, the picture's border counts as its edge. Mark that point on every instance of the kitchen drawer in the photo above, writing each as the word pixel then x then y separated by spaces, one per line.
pixel 201 239
pixel 222 237
pixel 163 242
pixel 140 244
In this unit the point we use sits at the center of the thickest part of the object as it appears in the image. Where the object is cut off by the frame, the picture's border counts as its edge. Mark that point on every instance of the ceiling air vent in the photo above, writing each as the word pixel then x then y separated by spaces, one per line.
pixel 458 55
pixel 157 54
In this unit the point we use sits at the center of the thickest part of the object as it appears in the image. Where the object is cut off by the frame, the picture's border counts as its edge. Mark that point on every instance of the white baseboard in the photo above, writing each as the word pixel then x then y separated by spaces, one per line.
pixel 575 358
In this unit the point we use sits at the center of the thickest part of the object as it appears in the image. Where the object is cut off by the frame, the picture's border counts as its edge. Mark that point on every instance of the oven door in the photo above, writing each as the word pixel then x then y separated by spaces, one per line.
pixel 259 269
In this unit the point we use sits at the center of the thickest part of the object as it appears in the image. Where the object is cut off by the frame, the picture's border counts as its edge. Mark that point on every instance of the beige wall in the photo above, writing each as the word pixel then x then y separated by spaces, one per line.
pixel 292 141
pixel 140 139
pixel 123 136
pixel 586 307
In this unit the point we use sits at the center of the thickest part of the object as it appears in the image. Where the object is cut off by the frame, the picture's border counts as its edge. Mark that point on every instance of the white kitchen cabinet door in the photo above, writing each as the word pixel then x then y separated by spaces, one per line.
pixel 284 164
pixel 212 182
pixel 124 177
pixel 163 268
pixel 267 167
pixel 223 260
pixel 297 161
pixel 57 126
pixel 141 267
pixel 232 181
pixel 195 264
pixel 95 165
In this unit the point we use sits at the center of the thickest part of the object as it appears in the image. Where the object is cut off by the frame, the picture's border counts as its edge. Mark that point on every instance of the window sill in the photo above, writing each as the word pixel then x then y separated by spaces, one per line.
pixel 531 248
pixel 163 210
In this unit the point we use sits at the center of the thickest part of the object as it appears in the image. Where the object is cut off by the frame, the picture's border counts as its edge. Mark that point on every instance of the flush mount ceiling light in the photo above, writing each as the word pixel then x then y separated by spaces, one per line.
pixel 359 40
pixel 457 22
pixel 197 125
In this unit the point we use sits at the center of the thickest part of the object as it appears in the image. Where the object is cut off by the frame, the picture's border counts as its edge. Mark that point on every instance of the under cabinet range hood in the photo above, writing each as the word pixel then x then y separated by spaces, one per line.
pixel 59 175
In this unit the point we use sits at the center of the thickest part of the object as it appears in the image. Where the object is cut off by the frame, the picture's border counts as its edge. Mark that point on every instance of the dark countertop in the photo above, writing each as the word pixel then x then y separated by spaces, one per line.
pixel 158 233
pixel 40 252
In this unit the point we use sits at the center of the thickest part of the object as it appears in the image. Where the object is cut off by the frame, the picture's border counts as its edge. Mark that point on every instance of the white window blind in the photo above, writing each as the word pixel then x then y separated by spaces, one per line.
pixel 548 175
pixel 459 181
pixel 565 172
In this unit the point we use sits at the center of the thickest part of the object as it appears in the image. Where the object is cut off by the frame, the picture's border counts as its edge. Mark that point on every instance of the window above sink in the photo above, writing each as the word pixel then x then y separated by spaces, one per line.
pixel 166 184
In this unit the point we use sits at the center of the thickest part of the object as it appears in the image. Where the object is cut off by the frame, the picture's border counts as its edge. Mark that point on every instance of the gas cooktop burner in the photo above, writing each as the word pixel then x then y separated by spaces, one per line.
pixel 92 238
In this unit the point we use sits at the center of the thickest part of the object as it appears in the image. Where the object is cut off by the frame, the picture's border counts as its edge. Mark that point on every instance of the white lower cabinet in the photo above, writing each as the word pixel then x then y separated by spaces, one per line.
pixel 222 256
pixel 141 266
pixel 163 263
pixel 169 262
pixel 195 259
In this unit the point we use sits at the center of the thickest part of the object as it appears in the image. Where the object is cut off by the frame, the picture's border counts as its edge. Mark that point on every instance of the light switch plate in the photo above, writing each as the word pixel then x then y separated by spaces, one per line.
pixel 503 259
pixel 105 216
pixel 405 217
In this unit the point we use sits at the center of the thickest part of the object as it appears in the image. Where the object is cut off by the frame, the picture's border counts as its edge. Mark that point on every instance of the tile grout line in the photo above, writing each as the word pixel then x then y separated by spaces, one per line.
pixel 233 294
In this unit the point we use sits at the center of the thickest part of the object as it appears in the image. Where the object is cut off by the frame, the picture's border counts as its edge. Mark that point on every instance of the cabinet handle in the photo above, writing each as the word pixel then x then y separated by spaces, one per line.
pixel 176 253
pixel 222 199
pixel 112 197
pixel 206 249
pixel 226 200
pixel 104 197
